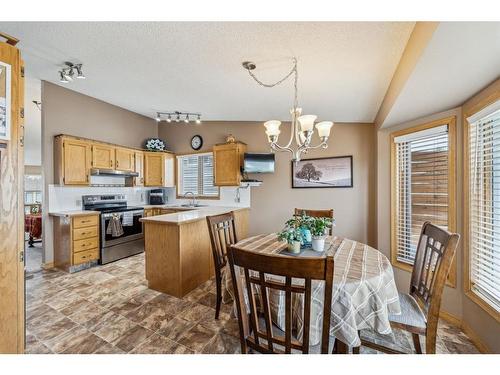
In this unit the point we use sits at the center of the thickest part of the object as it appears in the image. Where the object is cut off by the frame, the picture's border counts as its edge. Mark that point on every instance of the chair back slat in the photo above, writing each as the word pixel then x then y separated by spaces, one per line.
pixel 222 235
pixel 259 274
pixel 267 311
pixel 307 316
pixel 435 251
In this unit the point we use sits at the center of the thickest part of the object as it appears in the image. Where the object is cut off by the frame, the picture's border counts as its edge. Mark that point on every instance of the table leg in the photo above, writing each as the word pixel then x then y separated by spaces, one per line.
pixel 340 347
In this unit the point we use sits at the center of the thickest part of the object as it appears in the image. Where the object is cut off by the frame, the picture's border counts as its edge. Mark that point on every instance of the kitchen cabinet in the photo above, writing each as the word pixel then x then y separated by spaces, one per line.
pixel 76 241
pixel 159 169
pixel 103 156
pixel 72 160
pixel 139 168
pixel 228 160
pixel 124 159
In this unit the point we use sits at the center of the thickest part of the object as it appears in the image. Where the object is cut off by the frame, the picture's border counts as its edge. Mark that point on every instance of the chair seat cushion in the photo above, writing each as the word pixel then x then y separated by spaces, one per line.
pixel 411 313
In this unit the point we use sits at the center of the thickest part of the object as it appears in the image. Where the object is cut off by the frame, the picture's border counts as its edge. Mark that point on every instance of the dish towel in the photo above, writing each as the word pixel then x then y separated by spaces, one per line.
pixel 128 219
pixel 115 226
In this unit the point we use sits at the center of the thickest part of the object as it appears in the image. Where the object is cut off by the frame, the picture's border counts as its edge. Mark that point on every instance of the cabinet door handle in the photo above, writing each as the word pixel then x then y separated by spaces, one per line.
pixel 117 164
pixel 111 163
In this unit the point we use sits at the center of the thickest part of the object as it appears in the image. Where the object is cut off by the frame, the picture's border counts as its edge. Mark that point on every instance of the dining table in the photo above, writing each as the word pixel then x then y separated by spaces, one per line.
pixel 364 290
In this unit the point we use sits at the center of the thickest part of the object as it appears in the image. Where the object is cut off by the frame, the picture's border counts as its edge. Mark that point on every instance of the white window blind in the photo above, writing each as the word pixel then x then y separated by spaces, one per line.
pixel 196 175
pixel 484 207
pixel 421 187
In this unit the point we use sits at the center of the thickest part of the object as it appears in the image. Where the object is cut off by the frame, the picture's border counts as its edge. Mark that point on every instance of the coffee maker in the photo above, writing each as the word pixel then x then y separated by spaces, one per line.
pixel 158 196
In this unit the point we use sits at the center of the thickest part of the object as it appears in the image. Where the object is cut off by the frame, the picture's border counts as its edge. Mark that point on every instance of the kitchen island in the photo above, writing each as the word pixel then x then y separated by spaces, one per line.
pixel 178 251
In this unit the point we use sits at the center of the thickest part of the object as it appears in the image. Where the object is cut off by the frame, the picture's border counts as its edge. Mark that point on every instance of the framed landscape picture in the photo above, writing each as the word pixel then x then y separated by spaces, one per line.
pixel 331 172
pixel 4 101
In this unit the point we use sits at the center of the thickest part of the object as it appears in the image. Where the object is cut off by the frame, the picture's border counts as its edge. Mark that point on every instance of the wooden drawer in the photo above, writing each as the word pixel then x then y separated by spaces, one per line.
pixel 85 221
pixel 85 256
pixel 82 233
pixel 86 244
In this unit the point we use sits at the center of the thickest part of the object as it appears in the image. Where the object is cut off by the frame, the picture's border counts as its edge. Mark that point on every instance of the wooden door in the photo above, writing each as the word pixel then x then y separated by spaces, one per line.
pixel 124 159
pixel 76 160
pixel 153 168
pixel 227 164
pixel 103 156
pixel 11 202
pixel 139 168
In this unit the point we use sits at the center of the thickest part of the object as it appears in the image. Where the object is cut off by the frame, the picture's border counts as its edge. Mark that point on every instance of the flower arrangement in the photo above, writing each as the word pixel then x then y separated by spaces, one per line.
pixel 305 230
pixel 155 144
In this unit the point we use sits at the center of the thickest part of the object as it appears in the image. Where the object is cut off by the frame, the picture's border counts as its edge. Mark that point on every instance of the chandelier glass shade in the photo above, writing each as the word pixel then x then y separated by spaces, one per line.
pixel 302 126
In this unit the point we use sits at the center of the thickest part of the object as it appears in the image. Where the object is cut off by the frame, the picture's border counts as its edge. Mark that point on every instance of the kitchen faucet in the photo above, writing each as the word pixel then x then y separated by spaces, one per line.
pixel 193 200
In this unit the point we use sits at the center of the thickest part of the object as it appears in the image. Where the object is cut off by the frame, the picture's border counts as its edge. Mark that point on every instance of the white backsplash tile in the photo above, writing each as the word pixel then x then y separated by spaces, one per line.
pixel 63 198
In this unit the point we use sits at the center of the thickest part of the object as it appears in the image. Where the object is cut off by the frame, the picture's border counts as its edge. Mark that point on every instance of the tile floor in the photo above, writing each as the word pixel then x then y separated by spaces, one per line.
pixel 109 309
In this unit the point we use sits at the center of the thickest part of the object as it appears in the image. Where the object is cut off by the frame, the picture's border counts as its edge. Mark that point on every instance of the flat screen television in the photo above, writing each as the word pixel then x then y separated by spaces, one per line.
pixel 258 163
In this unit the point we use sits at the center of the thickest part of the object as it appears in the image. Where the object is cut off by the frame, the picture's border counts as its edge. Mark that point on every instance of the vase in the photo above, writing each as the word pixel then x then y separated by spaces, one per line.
pixel 294 247
pixel 306 235
pixel 318 243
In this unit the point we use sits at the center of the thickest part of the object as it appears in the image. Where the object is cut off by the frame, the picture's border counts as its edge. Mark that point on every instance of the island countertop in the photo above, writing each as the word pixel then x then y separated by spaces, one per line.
pixel 190 215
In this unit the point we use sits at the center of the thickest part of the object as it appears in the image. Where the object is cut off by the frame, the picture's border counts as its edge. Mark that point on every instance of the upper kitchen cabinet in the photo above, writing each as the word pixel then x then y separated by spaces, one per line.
pixel 72 161
pixel 159 169
pixel 139 168
pixel 124 159
pixel 228 160
pixel 103 156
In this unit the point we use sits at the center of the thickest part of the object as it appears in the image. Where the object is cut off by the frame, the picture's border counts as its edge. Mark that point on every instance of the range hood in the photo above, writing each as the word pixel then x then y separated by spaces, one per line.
pixel 112 172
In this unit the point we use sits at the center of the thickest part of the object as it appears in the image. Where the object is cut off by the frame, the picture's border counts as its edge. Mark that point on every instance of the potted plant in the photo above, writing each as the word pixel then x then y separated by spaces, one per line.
pixel 319 227
pixel 293 237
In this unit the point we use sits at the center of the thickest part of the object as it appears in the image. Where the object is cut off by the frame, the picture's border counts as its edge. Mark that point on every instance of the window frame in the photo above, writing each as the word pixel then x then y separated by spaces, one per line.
pixel 177 177
pixel 452 177
pixel 468 290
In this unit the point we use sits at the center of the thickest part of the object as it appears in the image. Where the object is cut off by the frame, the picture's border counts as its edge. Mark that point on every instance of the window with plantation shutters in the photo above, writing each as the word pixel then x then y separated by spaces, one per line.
pixel 196 175
pixel 423 186
pixel 484 205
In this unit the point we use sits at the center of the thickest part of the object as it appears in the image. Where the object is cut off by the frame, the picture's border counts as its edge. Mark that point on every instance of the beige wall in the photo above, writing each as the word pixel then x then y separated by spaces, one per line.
pixel 68 112
pixel 273 202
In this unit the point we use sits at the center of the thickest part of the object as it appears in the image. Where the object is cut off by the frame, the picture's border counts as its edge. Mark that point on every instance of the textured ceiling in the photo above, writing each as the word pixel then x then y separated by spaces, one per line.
pixel 344 68
pixel 460 60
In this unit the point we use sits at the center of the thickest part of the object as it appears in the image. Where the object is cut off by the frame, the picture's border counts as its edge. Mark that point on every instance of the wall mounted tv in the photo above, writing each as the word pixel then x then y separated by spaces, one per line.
pixel 258 163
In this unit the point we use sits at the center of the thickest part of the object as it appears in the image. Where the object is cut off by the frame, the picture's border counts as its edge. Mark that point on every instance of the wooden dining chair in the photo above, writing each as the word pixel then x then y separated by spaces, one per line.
pixel 256 331
pixel 222 235
pixel 316 213
pixel 420 307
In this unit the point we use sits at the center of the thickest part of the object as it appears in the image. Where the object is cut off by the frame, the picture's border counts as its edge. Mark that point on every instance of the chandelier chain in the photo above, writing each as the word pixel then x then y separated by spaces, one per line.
pixel 295 81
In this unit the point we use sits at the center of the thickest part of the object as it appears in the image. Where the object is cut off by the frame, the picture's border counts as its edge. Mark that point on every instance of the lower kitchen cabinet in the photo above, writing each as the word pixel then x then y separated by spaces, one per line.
pixel 76 240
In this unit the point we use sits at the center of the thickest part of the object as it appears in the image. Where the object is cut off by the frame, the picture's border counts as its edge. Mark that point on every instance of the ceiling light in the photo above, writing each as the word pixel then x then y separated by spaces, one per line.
pixel 186 120
pixel 169 118
pixel 302 126
pixel 68 74
pixel 158 118
pixel 79 73
pixel 62 78
pixel 198 120
pixel 178 119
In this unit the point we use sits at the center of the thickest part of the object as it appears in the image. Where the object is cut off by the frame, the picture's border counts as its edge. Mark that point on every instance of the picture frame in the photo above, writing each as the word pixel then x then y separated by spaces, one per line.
pixel 5 101
pixel 321 173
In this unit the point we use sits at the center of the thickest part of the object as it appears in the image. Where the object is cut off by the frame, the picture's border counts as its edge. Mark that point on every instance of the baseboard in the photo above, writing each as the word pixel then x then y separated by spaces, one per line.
pixel 476 340
pixel 47 266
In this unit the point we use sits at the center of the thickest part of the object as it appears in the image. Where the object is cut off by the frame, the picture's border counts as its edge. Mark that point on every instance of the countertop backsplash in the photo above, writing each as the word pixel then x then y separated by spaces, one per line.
pixel 66 198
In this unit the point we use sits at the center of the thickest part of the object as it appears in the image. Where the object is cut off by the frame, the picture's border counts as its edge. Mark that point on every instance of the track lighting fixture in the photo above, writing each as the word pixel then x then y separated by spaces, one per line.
pixel 67 73
pixel 177 116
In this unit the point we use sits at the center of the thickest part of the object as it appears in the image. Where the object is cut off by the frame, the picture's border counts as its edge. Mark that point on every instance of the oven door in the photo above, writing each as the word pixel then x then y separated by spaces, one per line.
pixel 131 232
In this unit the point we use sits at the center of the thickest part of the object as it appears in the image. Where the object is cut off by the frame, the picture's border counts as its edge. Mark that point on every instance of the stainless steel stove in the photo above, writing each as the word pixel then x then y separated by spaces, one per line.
pixel 114 207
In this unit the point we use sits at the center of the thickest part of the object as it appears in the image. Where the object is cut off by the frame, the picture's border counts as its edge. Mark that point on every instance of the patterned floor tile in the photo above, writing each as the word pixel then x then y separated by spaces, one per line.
pixel 109 310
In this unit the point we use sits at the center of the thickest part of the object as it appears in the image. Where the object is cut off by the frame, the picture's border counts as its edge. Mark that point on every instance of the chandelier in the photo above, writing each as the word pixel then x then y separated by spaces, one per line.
pixel 302 125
